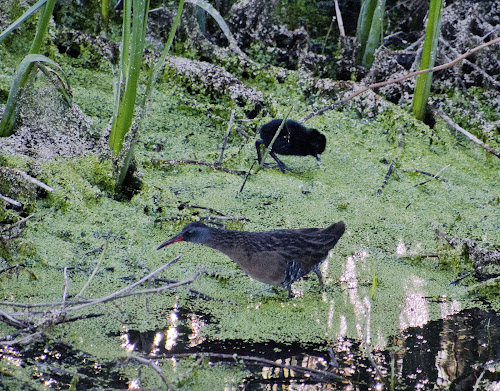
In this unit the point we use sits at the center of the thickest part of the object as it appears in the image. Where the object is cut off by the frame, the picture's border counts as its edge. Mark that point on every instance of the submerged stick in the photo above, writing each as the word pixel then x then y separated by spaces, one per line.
pixel 264 361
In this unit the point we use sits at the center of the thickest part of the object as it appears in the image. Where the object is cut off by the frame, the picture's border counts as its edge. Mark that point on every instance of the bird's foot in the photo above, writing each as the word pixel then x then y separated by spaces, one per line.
pixel 282 166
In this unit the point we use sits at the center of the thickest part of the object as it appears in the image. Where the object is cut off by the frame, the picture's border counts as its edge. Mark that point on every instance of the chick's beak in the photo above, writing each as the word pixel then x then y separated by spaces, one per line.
pixel 177 238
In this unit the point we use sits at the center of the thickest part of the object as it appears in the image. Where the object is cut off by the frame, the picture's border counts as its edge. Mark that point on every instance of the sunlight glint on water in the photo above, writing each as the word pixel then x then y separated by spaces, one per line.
pixel 415 311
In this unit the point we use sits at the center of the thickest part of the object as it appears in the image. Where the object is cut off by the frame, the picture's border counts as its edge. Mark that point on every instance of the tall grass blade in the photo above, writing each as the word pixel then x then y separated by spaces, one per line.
pixel 25 68
pixel 220 20
pixel 132 50
pixel 29 12
pixel 370 29
pixel 423 86
pixel 135 125
pixel 43 24
pixel 164 53
pixel 364 25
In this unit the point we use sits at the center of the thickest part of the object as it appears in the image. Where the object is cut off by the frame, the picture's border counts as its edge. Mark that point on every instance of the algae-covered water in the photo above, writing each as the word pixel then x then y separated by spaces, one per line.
pixel 388 274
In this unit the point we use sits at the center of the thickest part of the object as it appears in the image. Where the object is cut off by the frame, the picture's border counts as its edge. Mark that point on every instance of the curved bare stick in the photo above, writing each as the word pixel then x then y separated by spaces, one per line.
pixel 401 78
pixel 126 290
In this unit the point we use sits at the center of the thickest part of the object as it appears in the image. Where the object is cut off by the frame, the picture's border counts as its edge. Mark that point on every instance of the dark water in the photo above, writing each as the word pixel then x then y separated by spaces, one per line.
pixel 451 354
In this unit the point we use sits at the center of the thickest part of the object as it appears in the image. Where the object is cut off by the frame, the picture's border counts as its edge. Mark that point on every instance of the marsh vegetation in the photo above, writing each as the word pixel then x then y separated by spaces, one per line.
pixel 411 289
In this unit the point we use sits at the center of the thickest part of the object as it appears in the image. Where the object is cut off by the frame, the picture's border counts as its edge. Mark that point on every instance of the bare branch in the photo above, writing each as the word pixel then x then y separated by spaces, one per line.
pixel 339 19
pixel 263 361
pixel 470 136
pixel 124 292
pixel 17 204
pixel 229 126
pixel 401 78
pixel 153 366
pixel 12 226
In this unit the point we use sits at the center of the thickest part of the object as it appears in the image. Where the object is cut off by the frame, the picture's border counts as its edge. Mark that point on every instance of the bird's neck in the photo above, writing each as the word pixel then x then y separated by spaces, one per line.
pixel 225 241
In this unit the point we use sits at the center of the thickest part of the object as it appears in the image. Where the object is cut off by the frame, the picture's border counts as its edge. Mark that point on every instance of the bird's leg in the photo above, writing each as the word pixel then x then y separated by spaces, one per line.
pixel 281 165
pixel 258 143
pixel 288 286
pixel 320 278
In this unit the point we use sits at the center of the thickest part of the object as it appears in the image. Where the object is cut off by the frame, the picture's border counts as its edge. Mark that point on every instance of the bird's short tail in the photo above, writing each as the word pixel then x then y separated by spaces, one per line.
pixel 335 231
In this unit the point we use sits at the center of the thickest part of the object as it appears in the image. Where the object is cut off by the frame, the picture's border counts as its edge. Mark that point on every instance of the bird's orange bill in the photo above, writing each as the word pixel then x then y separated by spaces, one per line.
pixel 177 238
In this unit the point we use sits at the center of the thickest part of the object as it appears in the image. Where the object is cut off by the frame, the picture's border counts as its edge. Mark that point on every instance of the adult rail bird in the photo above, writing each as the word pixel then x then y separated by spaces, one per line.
pixel 278 257
pixel 293 139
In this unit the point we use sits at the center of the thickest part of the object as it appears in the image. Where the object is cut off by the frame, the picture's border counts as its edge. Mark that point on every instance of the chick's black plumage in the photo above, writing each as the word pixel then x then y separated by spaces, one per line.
pixel 293 139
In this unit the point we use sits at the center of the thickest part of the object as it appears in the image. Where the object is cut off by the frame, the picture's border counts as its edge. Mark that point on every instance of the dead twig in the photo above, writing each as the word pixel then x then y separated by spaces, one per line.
pixel 340 22
pixel 401 78
pixel 127 290
pixel 66 287
pixel 220 215
pixel 393 162
pixel 214 166
pixel 246 177
pixel 182 205
pixel 11 321
pixel 35 181
pixel 153 366
pixel 470 136
pixel 229 126
pixel 16 224
pixel 11 201
pixel 435 176
pixel 490 79
pixel 386 178
pixel 62 309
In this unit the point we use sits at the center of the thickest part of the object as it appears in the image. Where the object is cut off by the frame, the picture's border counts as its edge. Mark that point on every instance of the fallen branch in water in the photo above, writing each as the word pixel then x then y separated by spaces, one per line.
pixel 33 324
pixel 153 366
pixel 309 372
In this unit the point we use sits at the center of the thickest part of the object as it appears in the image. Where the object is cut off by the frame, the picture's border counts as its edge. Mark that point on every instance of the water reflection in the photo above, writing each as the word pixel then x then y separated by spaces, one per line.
pixel 448 353
pixel 415 311
pixel 453 353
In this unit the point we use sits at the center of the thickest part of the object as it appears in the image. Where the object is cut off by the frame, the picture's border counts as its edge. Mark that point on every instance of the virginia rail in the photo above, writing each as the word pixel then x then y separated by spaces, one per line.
pixel 293 139
pixel 277 257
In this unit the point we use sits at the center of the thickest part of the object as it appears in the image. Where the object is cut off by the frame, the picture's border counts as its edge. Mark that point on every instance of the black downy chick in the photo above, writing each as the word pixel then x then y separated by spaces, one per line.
pixel 293 139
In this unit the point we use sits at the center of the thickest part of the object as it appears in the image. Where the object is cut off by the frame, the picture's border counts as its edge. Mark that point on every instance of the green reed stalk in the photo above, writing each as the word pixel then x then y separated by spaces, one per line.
pixel 423 86
pixel 370 29
pixel 125 92
pixel 132 48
